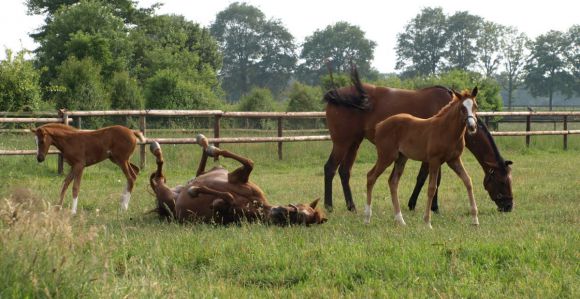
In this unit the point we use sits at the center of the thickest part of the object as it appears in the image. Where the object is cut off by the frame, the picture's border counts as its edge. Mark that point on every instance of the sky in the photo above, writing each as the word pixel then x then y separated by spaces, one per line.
pixel 381 20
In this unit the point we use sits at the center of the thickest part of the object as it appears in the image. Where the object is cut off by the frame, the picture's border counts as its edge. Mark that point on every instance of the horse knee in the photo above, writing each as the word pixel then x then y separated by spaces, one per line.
pixel 344 173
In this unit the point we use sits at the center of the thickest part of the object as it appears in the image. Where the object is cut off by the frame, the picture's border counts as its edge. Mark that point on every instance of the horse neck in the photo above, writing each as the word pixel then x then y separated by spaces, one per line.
pixel 451 118
pixel 480 145
pixel 59 138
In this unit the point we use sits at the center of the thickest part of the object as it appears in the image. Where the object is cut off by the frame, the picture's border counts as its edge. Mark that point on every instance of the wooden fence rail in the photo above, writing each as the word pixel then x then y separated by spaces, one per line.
pixel 217 115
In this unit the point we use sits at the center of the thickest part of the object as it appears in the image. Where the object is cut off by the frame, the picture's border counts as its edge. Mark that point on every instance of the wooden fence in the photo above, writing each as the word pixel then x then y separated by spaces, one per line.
pixel 66 116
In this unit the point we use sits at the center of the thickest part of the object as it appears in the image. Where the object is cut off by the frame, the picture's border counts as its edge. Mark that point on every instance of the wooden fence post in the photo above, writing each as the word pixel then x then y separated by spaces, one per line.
pixel 216 131
pixel 142 129
pixel 528 128
pixel 65 120
pixel 565 135
pixel 280 135
pixel 79 123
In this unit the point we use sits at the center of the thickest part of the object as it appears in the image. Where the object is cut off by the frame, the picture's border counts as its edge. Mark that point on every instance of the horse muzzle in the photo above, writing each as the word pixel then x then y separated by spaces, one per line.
pixel 471 124
pixel 40 158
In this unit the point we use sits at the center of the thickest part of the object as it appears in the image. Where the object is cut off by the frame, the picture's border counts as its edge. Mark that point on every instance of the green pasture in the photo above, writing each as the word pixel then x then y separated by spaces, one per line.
pixel 533 252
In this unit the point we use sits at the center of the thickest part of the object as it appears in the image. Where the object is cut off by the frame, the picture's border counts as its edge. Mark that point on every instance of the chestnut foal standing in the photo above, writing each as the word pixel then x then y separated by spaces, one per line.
pixel 436 140
pixel 85 148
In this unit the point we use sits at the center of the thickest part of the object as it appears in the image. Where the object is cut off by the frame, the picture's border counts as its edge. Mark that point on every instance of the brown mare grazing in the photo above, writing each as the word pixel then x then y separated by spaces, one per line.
pixel 436 140
pixel 353 112
pixel 85 148
pixel 222 197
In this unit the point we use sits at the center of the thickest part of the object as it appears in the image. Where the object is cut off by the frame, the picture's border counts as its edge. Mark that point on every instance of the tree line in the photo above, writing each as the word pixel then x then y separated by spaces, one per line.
pixel 111 54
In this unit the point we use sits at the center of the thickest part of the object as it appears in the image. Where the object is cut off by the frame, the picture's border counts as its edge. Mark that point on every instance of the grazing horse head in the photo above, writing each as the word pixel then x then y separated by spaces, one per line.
pixel 497 182
pixel 302 214
pixel 468 109
pixel 43 142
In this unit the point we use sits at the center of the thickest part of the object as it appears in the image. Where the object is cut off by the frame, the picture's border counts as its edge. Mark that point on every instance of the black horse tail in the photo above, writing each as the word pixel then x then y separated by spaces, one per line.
pixel 346 97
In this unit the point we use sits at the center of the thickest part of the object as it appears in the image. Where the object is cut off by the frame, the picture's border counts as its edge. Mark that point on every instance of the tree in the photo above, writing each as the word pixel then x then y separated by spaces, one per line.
pixel 19 84
pixel 546 68
pixel 489 47
pixel 256 51
pixel 79 86
pixel 100 35
pixel 342 44
pixel 462 33
pixel 304 98
pixel 422 46
pixel 171 42
pixel 513 46
pixel 572 54
pixel 126 9
pixel 125 92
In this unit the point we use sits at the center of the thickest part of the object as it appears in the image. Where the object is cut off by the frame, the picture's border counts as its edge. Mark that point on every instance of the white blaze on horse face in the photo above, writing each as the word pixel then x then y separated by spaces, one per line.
pixel 468 104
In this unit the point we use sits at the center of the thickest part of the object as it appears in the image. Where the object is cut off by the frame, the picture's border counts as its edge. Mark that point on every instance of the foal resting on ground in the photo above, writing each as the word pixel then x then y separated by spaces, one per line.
pixel 85 148
pixel 435 140
pixel 219 196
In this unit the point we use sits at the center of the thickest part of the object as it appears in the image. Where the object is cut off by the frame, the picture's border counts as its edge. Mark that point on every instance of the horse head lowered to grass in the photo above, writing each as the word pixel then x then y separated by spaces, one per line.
pixel 353 112
pixel 85 148
pixel 436 140
pixel 219 196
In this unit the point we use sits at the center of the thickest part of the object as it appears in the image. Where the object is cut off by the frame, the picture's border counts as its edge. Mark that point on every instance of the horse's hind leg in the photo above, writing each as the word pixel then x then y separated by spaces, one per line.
pixel 65 184
pixel 458 168
pixel 78 174
pixel 126 196
pixel 242 174
pixel 344 173
pixel 372 176
pixel 394 185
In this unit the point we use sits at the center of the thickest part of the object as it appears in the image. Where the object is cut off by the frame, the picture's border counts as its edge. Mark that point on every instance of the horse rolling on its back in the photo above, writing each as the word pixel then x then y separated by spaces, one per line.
pixel 85 148
pixel 436 140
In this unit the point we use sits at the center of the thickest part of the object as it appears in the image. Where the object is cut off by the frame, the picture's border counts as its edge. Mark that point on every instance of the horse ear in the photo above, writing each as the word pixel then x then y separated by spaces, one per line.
pixel 314 203
pixel 474 92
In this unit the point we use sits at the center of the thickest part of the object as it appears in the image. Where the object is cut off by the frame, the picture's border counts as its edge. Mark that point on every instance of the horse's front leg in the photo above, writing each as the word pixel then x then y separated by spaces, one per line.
pixel 433 174
pixel 458 168
pixel 394 186
pixel 78 174
pixel 126 196
pixel 238 176
pixel 65 184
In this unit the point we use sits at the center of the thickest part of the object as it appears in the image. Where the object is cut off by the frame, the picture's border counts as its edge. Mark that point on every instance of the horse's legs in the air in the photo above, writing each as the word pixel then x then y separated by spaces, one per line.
pixel 126 196
pixel 433 173
pixel 421 178
pixel 78 174
pixel 344 173
pixel 383 161
pixel 393 186
pixel 458 168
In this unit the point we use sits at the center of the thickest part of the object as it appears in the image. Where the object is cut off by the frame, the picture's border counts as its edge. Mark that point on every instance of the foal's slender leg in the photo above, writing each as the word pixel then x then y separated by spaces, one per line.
pixel 458 168
pixel 126 196
pixel 242 174
pixel 372 176
pixel 393 186
pixel 433 173
pixel 65 184
pixel 421 178
pixel 78 174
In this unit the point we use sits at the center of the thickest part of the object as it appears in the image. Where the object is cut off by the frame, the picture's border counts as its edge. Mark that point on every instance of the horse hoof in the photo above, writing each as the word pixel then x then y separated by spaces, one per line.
pixel 352 208
pixel 328 208
pixel 201 140
pixel 211 150
pixel 154 146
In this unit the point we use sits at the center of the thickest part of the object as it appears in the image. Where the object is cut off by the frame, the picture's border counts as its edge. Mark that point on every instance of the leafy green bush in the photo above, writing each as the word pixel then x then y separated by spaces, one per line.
pixel 19 84
pixel 125 92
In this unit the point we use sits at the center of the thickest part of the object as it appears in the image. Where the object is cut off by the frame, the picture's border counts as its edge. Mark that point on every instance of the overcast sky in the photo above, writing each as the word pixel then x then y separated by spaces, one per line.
pixel 381 20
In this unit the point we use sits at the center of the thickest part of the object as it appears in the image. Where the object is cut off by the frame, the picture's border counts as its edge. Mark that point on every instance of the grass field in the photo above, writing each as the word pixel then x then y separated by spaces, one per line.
pixel 531 252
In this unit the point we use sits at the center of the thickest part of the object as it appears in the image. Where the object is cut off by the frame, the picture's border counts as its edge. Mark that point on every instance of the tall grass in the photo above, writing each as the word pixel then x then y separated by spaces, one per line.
pixel 102 252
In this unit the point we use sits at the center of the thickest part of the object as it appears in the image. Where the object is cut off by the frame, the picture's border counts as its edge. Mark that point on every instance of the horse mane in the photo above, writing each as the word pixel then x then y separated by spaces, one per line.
pixel 58 128
pixel 448 90
pixel 500 160
pixel 346 97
